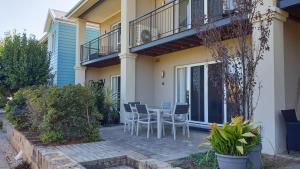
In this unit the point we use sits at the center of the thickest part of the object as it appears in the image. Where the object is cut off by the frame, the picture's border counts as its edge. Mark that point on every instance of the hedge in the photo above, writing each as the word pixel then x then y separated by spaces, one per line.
pixel 58 114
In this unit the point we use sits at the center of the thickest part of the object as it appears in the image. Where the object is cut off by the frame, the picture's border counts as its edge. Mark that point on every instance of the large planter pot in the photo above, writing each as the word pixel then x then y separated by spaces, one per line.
pixel 254 156
pixel 232 162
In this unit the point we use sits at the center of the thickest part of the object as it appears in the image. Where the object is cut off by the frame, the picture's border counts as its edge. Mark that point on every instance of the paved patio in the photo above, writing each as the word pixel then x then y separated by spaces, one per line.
pixel 118 143
pixel 164 149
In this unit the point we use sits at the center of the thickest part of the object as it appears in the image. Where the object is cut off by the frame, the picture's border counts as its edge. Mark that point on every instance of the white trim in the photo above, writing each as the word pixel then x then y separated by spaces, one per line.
pixel 205 10
pixel 111 78
pixel 189 66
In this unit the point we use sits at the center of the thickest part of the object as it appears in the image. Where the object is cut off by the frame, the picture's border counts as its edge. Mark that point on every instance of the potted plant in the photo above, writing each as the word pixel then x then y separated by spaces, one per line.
pixel 254 154
pixel 232 142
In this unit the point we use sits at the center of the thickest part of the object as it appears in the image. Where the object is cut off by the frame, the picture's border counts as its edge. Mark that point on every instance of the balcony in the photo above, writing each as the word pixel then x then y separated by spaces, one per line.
pixel 102 51
pixel 292 7
pixel 175 25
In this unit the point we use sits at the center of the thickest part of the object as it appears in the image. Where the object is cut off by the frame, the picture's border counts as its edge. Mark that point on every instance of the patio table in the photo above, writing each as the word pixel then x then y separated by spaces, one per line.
pixel 159 112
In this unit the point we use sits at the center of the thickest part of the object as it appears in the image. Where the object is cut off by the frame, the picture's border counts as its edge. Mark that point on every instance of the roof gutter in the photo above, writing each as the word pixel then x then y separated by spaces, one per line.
pixel 75 8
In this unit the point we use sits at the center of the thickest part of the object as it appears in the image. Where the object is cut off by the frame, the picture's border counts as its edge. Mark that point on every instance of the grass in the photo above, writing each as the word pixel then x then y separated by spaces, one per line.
pixel 209 161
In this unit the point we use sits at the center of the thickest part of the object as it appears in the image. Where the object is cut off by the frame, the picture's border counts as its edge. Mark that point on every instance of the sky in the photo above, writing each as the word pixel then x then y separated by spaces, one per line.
pixel 29 15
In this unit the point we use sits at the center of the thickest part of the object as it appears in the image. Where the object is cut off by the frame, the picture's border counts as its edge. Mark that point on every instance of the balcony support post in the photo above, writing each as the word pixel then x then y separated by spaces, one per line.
pixel 80 38
pixel 128 60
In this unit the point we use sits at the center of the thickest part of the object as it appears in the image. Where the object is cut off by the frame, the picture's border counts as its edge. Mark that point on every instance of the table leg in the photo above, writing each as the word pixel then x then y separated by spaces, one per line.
pixel 159 125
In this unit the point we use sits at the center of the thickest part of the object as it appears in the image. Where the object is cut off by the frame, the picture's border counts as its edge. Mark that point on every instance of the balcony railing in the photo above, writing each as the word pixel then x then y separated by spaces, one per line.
pixel 106 44
pixel 175 17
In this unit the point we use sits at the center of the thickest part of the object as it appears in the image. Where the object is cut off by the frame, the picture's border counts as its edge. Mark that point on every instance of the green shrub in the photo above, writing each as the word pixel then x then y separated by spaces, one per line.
pixel 205 160
pixel 17 111
pixel 3 101
pixel 1 124
pixel 57 114
pixel 37 103
pixel 72 114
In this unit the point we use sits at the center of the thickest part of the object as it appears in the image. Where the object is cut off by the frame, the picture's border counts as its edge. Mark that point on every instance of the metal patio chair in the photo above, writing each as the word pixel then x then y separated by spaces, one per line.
pixel 145 117
pixel 130 118
pixel 179 117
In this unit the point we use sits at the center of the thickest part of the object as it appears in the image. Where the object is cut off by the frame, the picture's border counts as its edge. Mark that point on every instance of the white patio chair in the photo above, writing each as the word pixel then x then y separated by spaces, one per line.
pixel 133 105
pixel 179 117
pixel 166 107
pixel 144 117
pixel 130 118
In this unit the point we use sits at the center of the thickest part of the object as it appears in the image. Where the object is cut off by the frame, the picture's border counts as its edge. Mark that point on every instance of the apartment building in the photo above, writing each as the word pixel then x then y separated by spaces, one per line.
pixel 60 37
pixel 149 51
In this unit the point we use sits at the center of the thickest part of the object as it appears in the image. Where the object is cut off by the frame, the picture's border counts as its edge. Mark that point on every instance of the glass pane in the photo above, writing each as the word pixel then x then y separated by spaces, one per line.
pixel 197 93
pixel 181 85
pixel 215 95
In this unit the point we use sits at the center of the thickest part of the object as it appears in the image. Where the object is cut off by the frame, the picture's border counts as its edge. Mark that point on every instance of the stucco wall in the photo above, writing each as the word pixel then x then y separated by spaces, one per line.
pixel 144 79
pixel 106 25
pixel 292 63
pixel 164 88
pixel 102 73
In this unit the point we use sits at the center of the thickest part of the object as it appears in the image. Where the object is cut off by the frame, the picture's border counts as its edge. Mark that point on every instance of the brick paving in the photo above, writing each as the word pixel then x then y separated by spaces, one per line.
pixel 117 143
pixel 165 149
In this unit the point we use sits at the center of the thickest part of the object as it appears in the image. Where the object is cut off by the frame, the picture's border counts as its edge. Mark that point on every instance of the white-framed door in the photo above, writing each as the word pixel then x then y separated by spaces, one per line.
pixel 116 37
pixel 115 85
pixel 193 86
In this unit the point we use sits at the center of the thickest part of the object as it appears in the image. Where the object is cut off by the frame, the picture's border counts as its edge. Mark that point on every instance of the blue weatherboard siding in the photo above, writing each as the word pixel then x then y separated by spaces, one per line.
pixel 63 58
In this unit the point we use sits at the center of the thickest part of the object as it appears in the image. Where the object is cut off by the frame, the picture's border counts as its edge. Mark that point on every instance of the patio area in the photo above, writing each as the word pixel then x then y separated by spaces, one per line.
pixel 164 149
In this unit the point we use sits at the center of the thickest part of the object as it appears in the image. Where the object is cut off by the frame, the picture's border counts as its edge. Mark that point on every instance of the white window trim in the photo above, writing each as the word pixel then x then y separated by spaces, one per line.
pixel 197 123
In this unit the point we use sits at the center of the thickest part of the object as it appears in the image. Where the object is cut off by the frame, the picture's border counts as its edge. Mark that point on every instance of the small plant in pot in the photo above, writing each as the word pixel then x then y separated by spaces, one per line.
pixel 232 142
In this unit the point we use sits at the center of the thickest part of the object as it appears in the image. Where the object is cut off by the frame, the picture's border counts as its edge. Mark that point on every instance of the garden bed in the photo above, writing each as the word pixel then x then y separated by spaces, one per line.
pixel 202 161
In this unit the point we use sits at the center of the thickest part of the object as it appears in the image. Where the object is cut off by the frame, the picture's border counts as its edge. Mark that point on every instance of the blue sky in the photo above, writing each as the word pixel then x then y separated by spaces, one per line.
pixel 29 15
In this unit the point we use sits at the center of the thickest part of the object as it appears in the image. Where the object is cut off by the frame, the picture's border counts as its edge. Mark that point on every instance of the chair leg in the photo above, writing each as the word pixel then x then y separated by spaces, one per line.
pixel 163 128
pixel 174 131
pixel 188 129
pixel 148 130
pixel 137 129
pixel 132 126
pixel 151 127
pixel 125 123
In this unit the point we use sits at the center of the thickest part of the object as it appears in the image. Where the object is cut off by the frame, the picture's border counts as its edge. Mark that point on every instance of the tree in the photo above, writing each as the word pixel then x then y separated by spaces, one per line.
pixel 239 61
pixel 23 62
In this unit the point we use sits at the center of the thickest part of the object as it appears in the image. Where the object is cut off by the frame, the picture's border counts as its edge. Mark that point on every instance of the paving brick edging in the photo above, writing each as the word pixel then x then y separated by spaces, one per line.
pixel 39 157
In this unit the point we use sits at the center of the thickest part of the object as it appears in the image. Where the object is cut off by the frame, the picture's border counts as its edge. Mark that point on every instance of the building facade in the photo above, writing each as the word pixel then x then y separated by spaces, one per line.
pixel 149 51
pixel 61 42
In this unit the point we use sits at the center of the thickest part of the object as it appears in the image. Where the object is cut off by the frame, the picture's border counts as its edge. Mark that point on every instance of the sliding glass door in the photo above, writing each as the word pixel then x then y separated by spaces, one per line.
pixel 203 90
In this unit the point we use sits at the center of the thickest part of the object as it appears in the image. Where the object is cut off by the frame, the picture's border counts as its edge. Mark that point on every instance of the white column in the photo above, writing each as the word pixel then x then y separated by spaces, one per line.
pixel 270 73
pixel 128 60
pixel 80 39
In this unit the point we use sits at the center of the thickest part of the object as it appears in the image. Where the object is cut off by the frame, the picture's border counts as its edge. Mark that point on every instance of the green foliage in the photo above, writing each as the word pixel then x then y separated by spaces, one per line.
pixel 205 160
pixel 23 62
pixel 3 101
pixel 1 124
pixel 235 138
pixel 106 105
pixel 72 114
pixel 58 114
pixel 17 111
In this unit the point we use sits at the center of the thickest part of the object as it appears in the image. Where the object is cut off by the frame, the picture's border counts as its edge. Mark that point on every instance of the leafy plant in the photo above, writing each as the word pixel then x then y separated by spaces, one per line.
pixel 71 114
pixel 23 62
pixel 1 124
pixel 3 101
pixel 205 160
pixel 17 111
pixel 235 138
pixel 106 105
